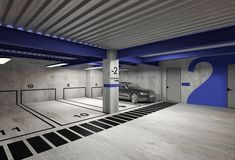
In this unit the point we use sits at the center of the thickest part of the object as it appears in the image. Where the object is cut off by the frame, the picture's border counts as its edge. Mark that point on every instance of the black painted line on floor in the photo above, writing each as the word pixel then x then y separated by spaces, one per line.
pixel 85 103
pixel 128 115
pixel 134 114
pixel 115 119
pixel 69 135
pixel 19 150
pixel 72 103
pixel 41 114
pixel 38 144
pixel 81 131
pixel 91 127
pixel 55 139
pixel 99 124
pixel 146 109
pixel 108 122
pixel 139 112
pixel 69 122
pixel 3 155
pixel 123 118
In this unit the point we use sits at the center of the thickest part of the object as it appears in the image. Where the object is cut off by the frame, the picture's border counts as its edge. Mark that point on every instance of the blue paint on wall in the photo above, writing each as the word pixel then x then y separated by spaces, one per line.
pixel 185 84
pixel 213 91
pixel 111 85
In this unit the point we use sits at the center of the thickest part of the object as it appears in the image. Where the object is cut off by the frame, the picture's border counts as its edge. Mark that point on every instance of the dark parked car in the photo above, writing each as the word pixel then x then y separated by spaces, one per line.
pixel 134 93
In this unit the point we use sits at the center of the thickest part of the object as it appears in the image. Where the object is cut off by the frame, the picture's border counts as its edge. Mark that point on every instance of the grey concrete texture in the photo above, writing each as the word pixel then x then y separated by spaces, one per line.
pixel 145 76
pixel 19 73
pixel 200 75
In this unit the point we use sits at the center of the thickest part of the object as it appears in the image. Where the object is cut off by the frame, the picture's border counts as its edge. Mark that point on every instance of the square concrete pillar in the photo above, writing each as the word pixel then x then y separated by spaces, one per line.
pixel 111 82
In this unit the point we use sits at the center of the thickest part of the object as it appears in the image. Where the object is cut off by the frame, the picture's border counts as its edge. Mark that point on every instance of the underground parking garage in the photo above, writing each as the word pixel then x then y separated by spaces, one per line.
pixel 117 79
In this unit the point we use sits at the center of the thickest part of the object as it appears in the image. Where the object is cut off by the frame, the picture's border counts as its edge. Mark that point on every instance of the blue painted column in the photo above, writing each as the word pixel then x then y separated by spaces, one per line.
pixel 111 82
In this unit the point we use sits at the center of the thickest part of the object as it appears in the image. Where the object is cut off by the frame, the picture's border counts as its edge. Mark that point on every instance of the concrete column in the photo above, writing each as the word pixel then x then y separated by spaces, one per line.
pixel 111 82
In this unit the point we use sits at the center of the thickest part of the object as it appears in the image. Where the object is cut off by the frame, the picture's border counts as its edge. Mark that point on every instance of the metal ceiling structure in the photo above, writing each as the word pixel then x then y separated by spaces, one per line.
pixel 115 24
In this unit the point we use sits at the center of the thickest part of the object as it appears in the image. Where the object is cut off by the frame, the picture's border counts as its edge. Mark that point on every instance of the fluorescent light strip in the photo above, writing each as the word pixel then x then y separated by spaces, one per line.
pixel 4 60
pixel 57 65
pixel 93 68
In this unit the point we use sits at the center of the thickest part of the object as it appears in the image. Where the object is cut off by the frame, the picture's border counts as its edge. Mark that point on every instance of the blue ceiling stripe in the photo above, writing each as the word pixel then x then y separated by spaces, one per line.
pixel 218 36
pixel 200 53
pixel 31 40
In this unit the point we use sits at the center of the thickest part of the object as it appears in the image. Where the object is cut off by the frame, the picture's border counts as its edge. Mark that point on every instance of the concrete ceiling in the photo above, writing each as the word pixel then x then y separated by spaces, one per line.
pixel 117 24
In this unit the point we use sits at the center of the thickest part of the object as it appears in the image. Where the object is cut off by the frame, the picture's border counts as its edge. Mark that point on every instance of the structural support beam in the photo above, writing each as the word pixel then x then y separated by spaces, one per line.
pixel 28 40
pixel 218 36
pixel 200 53
pixel 111 82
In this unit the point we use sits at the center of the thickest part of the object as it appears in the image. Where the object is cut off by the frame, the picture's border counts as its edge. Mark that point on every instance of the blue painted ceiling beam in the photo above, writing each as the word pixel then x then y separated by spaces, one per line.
pixel 200 53
pixel 28 40
pixel 218 36
pixel 135 60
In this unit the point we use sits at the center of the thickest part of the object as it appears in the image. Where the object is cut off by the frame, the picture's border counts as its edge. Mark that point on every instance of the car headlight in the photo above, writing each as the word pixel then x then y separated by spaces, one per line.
pixel 142 93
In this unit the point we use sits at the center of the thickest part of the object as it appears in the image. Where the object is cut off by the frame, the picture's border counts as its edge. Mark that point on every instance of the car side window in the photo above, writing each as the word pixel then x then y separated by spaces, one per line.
pixel 121 86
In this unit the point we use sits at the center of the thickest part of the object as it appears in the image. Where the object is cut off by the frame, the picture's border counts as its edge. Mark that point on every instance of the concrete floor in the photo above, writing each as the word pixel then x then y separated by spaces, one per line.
pixel 180 132
pixel 97 103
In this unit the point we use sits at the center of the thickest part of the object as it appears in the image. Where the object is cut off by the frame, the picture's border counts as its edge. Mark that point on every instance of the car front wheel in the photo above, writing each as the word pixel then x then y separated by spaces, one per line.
pixel 134 98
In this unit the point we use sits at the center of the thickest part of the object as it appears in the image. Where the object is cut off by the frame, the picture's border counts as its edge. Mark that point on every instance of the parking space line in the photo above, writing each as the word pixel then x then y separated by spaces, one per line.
pixel 20 149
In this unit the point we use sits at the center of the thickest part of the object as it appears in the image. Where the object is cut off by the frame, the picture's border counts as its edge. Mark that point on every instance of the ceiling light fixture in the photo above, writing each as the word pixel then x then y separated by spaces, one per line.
pixel 4 60
pixel 57 65
pixel 93 68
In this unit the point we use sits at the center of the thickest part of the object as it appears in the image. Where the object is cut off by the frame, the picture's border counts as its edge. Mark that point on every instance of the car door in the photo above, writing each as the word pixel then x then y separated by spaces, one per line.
pixel 121 90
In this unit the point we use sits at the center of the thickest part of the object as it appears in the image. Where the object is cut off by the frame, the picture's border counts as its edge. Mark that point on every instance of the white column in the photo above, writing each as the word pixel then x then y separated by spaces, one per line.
pixel 111 82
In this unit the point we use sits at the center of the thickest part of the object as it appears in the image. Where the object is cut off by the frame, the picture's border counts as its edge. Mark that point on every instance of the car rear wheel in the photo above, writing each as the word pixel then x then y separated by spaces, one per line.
pixel 134 98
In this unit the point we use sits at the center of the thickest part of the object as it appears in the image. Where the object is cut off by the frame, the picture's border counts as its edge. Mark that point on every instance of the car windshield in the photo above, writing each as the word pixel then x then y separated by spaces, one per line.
pixel 133 86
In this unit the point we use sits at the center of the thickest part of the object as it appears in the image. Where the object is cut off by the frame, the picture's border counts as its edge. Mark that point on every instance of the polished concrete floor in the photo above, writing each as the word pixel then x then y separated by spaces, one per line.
pixel 180 132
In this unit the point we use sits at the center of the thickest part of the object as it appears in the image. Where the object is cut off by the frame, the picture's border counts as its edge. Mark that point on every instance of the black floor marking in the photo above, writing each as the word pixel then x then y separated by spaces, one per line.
pixel 65 123
pixel 91 127
pixel 84 103
pixel 72 103
pixel 102 125
pixel 19 150
pixel 3 155
pixel 38 144
pixel 81 131
pixel 128 115
pixel 55 139
pixel 139 112
pixel 124 118
pixel 69 135
pixel 108 122
pixel 134 114
pixel 115 120
pixel 147 109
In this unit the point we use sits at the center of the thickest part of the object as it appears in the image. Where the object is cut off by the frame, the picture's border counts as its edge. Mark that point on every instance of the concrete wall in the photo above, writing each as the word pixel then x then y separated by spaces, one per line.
pixel 146 76
pixel 94 83
pixel 19 73
pixel 196 78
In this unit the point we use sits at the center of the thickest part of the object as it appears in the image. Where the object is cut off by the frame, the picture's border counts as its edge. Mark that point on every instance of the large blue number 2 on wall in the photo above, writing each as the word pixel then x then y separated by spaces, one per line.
pixel 213 91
